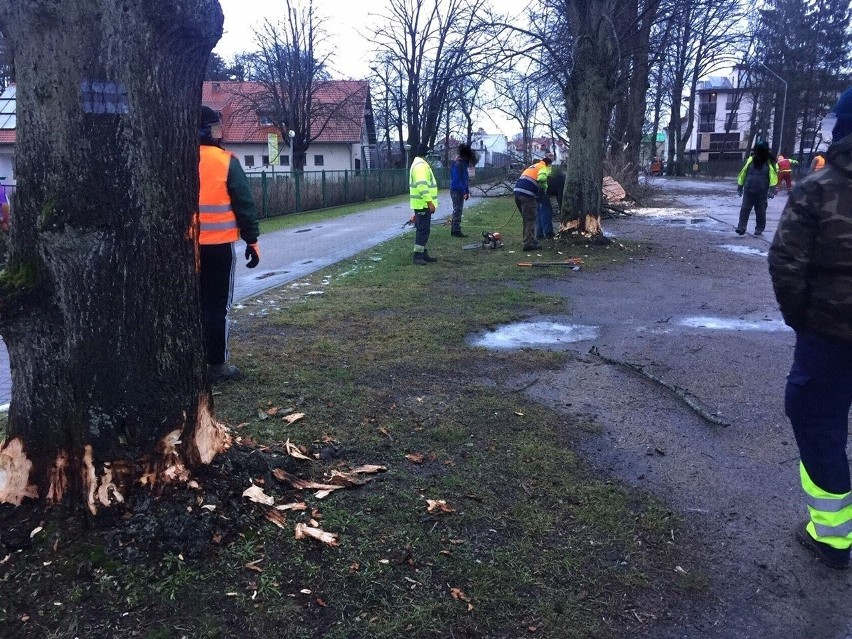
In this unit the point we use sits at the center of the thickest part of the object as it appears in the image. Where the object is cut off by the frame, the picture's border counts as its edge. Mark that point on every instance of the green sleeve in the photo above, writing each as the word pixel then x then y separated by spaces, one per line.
pixel 242 202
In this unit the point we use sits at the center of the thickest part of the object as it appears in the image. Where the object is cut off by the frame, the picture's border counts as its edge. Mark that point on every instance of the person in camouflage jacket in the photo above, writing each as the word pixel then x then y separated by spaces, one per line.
pixel 810 262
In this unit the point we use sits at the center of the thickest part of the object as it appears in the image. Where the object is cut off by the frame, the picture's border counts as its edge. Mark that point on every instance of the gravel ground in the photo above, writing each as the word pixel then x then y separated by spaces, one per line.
pixel 698 314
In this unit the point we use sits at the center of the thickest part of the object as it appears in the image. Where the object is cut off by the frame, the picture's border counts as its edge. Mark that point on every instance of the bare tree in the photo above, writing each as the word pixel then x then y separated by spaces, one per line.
pixel 290 67
pixel 520 100
pixel 434 44
pixel 99 305
pixel 706 35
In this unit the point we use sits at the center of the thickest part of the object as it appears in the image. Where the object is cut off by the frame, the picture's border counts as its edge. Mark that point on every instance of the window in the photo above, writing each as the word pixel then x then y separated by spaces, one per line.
pixel 707 123
pixel 264 159
pixel 732 121
pixel 265 120
pixel 284 160
pixel 249 161
pixel 724 142
pixel 319 160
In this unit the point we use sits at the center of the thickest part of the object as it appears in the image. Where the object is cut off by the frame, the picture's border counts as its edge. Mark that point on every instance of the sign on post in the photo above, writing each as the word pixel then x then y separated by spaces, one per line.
pixel 272 148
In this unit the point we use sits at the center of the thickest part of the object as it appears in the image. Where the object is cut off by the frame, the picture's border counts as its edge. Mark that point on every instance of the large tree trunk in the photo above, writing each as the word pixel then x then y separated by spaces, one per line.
pixel 588 100
pixel 99 303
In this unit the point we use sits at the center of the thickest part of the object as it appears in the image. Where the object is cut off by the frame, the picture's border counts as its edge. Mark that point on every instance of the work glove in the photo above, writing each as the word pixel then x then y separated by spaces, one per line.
pixel 431 206
pixel 740 191
pixel 252 255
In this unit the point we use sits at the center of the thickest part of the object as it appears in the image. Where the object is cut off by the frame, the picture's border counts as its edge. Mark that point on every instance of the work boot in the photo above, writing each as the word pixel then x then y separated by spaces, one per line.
pixel 428 258
pixel 831 557
pixel 419 260
pixel 532 247
pixel 222 372
pixel 458 233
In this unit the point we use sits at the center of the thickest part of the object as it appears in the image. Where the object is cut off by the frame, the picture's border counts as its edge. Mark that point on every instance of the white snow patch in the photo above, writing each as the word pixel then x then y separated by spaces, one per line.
pixel 744 250
pixel 532 334
pixel 732 324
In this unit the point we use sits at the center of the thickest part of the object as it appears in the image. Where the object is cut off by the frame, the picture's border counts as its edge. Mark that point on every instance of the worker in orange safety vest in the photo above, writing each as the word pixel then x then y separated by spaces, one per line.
pixel 226 213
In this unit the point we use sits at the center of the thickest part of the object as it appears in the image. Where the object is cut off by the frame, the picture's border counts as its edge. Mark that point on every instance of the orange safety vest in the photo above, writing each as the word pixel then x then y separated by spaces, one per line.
pixel 532 171
pixel 217 222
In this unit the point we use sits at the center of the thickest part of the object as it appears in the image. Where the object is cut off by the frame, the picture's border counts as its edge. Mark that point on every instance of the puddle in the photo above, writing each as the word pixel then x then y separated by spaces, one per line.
pixel 730 324
pixel 744 250
pixel 533 334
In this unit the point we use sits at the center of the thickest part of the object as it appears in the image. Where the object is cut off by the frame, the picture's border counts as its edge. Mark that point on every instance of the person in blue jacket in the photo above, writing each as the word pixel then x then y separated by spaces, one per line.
pixel 459 191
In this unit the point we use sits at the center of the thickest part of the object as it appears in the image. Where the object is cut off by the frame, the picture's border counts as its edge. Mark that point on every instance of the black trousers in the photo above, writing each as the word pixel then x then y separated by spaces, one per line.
pixel 217 291
pixel 423 227
pixel 758 201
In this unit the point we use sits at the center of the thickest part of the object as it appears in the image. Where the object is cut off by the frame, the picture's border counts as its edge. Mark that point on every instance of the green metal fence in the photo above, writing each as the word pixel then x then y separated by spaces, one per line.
pixel 282 193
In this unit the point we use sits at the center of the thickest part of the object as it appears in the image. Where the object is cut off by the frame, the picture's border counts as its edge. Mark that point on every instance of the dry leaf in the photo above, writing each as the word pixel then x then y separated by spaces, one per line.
pixel 519 413
pixel 256 494
pixel 438 505
pixel 303 531
pixel 384 431
pixel 292 417
pixel 252 565
pixel 294 451
pixel 272 411
pixel 275 517
pixel 415 458
pixel 320 602
pixel 36 531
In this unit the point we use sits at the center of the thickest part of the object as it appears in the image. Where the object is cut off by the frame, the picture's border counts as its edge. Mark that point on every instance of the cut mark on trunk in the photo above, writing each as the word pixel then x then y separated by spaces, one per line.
pixel 15 474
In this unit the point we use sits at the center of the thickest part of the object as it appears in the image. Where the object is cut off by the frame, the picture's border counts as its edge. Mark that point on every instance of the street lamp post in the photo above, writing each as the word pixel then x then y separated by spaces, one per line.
pixel 292 134
pixel 783 104
pixel 407 149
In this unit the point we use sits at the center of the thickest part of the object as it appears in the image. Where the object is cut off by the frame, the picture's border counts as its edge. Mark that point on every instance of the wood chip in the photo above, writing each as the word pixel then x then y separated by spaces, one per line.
pixel 303 531
pixel 301 484
pixel 294 451
pixel 369 469
pixel 256 494
pixel 416 458
pixel 275 517
pixel 438 506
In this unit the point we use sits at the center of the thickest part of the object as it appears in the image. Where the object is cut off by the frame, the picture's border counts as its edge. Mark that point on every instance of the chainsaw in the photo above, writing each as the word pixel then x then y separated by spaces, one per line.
pixel 489 241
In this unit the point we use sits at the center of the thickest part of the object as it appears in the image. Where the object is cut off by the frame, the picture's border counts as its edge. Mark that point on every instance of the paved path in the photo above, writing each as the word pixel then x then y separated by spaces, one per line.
pixel 292 253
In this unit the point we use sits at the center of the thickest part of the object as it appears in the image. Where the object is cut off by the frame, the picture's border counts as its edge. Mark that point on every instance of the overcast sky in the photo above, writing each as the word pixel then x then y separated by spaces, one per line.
pixel 347 22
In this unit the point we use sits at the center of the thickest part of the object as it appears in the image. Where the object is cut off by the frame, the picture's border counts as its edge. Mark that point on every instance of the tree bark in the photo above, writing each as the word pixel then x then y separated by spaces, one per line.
pixel 589 96
pixel 99 304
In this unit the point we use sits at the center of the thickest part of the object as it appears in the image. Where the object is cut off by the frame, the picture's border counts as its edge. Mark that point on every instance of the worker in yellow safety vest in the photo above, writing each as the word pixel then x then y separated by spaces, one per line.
pixel 528 190
pixel 226 213
pixel 423 195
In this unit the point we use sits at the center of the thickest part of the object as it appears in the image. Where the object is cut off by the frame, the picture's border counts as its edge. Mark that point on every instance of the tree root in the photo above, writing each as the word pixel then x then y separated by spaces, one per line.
pixel 685 396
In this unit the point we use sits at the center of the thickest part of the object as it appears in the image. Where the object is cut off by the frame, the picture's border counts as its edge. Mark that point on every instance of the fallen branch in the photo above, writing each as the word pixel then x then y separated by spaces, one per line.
pixel 685 396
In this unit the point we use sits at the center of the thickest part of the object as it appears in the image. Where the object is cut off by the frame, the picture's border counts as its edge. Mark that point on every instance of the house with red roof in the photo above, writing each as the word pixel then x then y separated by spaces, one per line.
pixel 345 134
pixel 342 126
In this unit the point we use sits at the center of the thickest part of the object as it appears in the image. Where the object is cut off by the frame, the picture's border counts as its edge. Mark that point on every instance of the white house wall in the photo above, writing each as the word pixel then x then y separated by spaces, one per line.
pixel 336 157
pixel 7 161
